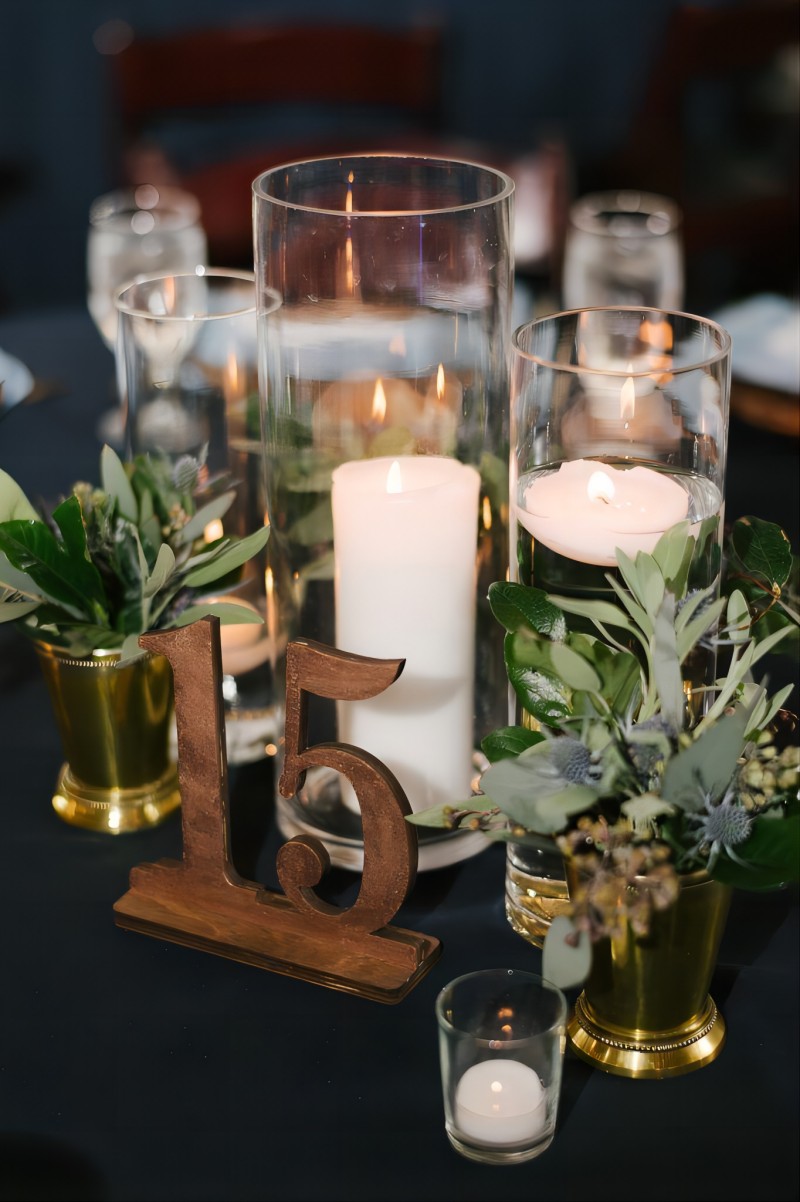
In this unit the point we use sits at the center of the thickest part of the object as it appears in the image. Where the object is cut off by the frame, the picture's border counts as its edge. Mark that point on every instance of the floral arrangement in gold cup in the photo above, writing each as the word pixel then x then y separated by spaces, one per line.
pixel 84 582
pixel 644 783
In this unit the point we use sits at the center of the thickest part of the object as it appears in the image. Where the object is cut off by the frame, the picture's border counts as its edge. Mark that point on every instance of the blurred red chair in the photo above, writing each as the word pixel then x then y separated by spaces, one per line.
pixel 209 109
pixel 717 130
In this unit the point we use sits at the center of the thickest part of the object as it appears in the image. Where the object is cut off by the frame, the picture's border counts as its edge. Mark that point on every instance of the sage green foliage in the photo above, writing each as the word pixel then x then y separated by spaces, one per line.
pixel 113 562
pixel 761 566
pixel 616 696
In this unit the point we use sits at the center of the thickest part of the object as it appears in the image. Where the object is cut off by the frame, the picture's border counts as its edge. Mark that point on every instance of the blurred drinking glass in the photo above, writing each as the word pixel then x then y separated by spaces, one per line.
pixel 138 231
pixel 623 248
pixel 187 366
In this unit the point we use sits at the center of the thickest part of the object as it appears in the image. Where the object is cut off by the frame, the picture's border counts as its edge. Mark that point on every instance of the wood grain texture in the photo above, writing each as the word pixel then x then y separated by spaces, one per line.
pixel 201 901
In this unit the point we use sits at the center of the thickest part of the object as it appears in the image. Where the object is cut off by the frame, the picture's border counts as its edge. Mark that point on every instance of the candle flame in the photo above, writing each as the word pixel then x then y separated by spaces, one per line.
pixel 394 479
pixel 627 399
pixel 486 509
pixel 496 1087
pixel 440 382
pixel 213 531
pixel 232 374
pixel 600 487
pixel 348 200
pixel 378 402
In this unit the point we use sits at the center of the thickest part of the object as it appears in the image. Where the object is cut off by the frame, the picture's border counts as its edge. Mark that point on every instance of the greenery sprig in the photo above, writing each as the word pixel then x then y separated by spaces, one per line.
pixel 629 775
pixel 114 561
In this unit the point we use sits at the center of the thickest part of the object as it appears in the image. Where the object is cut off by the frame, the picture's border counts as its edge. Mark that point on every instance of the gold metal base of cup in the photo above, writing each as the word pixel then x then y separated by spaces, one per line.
pixel 647 1054
pixel 115 811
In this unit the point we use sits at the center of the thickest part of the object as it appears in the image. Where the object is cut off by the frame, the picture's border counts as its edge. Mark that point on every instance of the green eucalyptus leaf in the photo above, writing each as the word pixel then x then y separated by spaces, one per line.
pixel 766 709
pixel 707 765
pixel 130 651
pixel 599 612
pixel 115 482
pixel 508 741
pixel 315 527
pixel 438 816
pixel 673 554
pixel 763 549
pixel 573 669
pixel 652 583
pixel 636 611
pixel 14 505
pixel 737 618
pixel 525 791
pixel 164 565
pixel 629 570
pixel 210 512
pixel 566 954
pixel 518 607
pixel 228 612
pixel 666 663
pixel 692 605
pixel 233 556
pixel 619 671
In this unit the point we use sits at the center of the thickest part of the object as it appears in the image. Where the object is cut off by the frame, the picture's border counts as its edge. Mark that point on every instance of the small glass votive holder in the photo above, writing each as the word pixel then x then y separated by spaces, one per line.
pixel 501 1046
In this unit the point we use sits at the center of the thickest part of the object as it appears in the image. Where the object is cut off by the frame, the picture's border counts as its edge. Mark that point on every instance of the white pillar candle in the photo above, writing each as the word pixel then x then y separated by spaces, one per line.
pixel 587 509
pixel 500 1102
pixel 405 533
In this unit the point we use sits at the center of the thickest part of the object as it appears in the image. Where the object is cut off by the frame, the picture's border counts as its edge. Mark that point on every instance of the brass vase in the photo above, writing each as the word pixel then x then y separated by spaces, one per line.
pixel 114 725
pixel 645 1010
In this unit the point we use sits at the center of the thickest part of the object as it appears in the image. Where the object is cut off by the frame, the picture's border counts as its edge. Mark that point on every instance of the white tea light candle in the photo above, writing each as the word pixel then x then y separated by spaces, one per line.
pixel 587 509
pixel 500 1102
pixel 405 533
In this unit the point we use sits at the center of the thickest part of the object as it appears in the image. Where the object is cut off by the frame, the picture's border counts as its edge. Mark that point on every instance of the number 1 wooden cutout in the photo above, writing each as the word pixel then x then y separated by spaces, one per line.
pixel 202 902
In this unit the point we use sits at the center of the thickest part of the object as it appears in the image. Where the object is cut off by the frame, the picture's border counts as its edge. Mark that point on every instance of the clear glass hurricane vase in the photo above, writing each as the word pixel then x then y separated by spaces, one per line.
pixel 395 275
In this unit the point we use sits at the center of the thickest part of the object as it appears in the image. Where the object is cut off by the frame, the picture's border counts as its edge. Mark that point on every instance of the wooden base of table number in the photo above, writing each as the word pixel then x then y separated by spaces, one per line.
pixel 202 902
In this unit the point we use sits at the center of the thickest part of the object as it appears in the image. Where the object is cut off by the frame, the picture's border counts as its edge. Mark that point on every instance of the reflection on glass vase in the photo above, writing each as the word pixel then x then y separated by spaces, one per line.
pixel 536 891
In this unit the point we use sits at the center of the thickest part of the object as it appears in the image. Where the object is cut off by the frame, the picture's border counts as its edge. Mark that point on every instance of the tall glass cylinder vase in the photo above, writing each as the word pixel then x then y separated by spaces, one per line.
pixel 386 369
pixel 619 428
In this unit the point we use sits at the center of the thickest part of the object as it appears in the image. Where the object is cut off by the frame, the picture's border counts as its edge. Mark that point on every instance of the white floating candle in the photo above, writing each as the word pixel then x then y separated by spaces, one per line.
pixel 405 533
pixel 587 509
pixel 500 1102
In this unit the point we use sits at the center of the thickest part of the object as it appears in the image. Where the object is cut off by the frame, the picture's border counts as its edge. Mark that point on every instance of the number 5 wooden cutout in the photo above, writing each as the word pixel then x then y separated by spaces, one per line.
pixel 202 902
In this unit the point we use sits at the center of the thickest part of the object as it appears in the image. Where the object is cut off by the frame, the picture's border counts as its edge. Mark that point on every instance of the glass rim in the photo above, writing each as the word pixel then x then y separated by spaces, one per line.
pixel 520 974
pixel 504 190
pixel 200 272
pixel 585 212
pixel 170 197
pixel 720 353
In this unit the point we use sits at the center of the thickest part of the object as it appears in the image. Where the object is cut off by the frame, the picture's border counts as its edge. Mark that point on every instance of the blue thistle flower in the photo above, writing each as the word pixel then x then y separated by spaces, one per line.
pixel 572 760
pixel 722 827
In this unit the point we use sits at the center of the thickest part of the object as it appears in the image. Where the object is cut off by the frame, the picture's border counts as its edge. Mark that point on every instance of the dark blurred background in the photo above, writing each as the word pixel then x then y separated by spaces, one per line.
pixel 700 103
